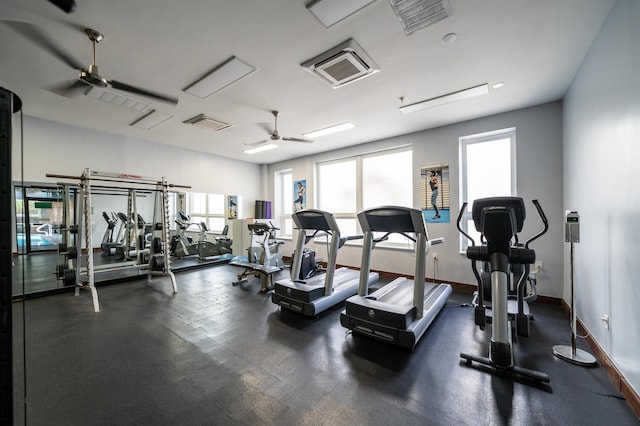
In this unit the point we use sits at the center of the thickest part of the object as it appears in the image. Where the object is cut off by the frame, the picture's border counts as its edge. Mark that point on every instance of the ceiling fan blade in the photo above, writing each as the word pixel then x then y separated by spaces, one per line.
pixel 266 127
pixel 127 88
pixel 41 39
pixel 285 138
pixel 262 142
pixel 68 89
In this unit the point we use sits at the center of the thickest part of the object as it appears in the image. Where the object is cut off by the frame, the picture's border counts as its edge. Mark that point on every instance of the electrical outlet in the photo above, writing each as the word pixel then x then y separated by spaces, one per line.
pixel 538 264
pixel 435 256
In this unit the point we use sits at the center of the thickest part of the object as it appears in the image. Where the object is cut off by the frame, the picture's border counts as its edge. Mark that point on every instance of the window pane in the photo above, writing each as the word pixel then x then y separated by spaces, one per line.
pixel 197 203
pixel 347 227
pixel 337 187
pixel 488 169
pixel 215 224
pixel 287 192
pixel 216 204
pixel 195 223
pixel 387 180
pixel 287 227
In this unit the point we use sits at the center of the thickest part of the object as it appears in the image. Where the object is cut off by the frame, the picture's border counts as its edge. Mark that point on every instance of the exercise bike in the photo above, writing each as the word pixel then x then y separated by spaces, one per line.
pixel 264 256
pixel 499 220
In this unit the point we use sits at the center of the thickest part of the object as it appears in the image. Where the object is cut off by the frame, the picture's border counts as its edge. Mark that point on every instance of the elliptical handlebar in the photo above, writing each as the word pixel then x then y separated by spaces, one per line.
pixel 543 217
pixel 464 206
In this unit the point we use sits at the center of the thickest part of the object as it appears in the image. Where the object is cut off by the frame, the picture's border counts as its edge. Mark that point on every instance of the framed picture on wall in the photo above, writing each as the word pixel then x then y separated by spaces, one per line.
pixel 300 195
pixel 435 193
pixel 232 206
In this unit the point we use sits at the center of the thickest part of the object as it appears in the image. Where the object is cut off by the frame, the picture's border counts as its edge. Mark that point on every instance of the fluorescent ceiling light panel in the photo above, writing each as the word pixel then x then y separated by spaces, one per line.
pixel 329 130
pixel 330 12
pixel 151 120
pixel 221 77
pixel 259 148
pixel 483 89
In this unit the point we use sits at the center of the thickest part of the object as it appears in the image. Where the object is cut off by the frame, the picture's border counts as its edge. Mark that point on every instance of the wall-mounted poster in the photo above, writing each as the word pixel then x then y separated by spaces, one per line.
pixel 232 206
pixel 435 193
pixel 300 195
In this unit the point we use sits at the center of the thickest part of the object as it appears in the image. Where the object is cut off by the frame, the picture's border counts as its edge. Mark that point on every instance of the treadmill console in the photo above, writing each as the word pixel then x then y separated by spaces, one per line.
pixel 315 220
pixel 392 219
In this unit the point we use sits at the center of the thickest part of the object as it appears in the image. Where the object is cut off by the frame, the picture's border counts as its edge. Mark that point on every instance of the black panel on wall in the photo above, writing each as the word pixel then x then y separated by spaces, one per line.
pixel 6 339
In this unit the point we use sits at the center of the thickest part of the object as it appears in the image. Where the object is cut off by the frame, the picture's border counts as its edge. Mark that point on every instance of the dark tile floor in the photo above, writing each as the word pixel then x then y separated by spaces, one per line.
pixel 217 354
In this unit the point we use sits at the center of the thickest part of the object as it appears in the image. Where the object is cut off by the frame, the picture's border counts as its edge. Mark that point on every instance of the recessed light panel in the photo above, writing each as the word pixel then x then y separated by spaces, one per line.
pixel 471 92
pixel 254 149
pixel 224 75
pixel 330 12
pixel 329 130
pixel 151 120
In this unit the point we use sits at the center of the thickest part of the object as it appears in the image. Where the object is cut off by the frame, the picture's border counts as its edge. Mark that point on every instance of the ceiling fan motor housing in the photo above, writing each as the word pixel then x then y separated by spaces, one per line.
pixel 92 76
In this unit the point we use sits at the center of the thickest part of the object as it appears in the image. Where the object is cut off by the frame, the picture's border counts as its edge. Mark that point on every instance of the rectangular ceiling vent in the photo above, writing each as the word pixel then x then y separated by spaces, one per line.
pixel 205 122
pixel 417 14
pixel 342 64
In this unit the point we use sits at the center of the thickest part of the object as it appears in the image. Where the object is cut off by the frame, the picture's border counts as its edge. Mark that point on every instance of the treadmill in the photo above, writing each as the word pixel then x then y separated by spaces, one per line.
pixel 322 291
pixel 401 311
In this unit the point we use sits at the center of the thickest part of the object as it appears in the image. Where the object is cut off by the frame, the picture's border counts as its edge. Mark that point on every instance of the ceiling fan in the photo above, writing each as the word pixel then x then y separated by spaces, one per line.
pixel 275 136
pixel 89 75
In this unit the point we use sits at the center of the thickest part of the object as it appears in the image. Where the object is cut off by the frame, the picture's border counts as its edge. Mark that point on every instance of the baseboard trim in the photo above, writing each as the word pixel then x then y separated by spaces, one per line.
pixel 616 376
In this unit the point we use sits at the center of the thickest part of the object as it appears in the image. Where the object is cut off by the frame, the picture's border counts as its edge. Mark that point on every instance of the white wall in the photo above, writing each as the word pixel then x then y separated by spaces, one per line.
pixel 601 145
pixel 67 150
pixel 539 168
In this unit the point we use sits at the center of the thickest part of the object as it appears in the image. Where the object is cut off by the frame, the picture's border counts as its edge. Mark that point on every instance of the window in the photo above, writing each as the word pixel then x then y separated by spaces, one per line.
pixel 283 207
pixel 487 169
pixel 350 185
pixel 207 208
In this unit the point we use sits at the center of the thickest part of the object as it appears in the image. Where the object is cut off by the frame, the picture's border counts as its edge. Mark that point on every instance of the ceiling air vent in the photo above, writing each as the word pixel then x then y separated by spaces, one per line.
pixel 205 122
pixel 343 64
pixel 417 14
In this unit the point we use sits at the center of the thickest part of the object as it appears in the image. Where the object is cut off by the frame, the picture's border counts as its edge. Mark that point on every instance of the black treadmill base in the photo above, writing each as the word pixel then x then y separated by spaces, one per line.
pixel 399 337
pixel 300 307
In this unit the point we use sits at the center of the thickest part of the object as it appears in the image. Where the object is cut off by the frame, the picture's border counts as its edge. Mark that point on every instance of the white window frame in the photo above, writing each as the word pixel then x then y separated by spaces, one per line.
pixel 406 245
pixel 206 215
pixel 464 143
pixel 282 202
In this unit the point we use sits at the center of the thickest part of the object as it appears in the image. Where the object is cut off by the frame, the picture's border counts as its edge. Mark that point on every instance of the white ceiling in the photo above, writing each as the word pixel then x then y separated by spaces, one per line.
pixel 534 47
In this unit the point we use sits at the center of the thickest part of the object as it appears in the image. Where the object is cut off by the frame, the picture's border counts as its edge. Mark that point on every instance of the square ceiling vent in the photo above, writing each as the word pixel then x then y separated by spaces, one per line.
pixel 205 122
pixel 342 64
pixel 417 14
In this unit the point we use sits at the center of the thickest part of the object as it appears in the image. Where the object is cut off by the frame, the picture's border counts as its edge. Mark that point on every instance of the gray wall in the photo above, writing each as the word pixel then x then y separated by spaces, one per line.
pixel 539 175
pixel 67 150
pixel 602 148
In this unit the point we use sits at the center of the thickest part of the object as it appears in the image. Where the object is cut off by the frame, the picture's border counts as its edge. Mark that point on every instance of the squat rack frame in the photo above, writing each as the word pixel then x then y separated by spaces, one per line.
pixel 133 182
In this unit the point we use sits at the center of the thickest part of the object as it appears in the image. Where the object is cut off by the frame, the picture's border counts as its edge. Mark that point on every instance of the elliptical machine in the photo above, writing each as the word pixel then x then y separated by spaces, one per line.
pixel 499 220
